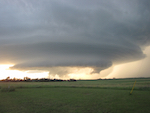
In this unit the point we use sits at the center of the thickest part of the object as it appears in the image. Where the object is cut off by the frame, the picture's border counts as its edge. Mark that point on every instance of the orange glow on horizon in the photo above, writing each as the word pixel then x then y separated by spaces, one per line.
pixel 132 69
pixel 75 73
pixel 5 72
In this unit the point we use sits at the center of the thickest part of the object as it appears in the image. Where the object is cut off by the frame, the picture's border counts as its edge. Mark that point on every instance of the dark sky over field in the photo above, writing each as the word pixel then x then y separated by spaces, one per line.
pixel 60 35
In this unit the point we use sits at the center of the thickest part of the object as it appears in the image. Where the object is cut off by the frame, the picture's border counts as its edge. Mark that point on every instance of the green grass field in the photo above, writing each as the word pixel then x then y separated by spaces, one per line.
pixel 97 96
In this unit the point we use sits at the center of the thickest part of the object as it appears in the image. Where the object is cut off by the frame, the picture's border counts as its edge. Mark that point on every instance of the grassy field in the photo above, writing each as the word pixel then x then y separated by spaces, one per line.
pixel 97 96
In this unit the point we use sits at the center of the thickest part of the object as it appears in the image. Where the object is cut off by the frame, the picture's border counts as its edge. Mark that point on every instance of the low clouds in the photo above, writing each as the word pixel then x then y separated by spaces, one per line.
pixel 96 34
pixel 69 54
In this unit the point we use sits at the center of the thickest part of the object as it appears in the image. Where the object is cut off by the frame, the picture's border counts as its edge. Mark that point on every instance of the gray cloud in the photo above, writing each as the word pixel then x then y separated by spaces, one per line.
pixel 41 34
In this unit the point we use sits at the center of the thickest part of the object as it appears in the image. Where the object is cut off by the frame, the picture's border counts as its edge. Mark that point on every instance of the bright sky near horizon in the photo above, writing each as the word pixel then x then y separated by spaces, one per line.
pixel 5 72
pixel 74 39
pixel 127 70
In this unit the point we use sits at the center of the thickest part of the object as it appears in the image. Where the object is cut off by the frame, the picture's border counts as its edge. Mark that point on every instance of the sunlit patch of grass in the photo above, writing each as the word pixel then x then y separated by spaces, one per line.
pixel 141 84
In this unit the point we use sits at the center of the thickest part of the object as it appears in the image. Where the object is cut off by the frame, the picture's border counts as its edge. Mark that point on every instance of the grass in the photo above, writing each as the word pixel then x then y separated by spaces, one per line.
pixel 76 97
pixel 8 89
pixel 141 84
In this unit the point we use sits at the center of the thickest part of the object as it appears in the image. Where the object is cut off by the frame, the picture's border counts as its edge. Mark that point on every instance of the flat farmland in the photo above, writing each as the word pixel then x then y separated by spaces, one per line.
pixel 92 96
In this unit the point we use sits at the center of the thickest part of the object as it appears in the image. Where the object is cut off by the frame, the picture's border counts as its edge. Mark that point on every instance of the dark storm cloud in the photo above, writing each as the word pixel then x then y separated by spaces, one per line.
pixel 86 33
pixel 69 54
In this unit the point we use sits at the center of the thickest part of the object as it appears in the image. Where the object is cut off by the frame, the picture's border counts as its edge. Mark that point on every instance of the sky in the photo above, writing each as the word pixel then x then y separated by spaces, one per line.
pixel 79 39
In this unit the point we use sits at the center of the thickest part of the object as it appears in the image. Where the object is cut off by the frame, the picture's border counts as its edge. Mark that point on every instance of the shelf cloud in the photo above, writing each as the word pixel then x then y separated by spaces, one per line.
pixel 45 34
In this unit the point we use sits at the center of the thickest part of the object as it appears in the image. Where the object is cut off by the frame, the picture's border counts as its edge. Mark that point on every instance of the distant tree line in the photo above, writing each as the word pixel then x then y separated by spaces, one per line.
pixel 27 79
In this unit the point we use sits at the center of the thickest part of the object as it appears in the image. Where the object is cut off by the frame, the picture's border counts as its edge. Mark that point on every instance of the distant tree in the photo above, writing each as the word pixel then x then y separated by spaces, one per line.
pixel 71 80
pixel 8 78
pixel 27 79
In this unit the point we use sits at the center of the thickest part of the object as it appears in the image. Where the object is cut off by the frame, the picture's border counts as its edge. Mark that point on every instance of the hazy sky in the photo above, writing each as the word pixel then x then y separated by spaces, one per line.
pixel 68 37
